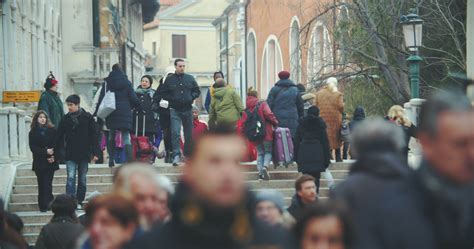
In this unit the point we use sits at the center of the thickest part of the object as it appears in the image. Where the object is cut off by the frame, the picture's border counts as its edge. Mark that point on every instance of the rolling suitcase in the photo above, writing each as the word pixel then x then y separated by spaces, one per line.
pixel 282 147
pixel 141 145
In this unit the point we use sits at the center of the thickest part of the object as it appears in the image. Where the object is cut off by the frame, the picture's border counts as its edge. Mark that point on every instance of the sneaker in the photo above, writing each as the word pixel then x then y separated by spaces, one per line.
pixel 176 161
pixel 111 163
pixel 266 175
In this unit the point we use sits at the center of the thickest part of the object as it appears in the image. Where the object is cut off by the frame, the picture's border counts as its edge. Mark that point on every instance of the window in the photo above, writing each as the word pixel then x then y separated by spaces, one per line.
pixel 319 53
pixel 251 61
pixel 154 48
pixel 179 46
pixel 295 53
pixel 271 65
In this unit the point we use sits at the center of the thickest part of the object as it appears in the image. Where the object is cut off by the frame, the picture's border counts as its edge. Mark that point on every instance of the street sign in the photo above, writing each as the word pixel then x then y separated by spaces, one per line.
pixel 21 96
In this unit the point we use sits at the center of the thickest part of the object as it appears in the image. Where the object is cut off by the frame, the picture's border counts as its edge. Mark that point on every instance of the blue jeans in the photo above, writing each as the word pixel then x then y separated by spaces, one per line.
pixel 264 156
pixel 186 120
pixel 81 168
pixel 111 143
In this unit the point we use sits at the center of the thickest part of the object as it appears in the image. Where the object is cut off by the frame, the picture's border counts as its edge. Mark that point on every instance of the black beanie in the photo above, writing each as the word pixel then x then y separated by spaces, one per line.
pixel 313 111
pixel 74 98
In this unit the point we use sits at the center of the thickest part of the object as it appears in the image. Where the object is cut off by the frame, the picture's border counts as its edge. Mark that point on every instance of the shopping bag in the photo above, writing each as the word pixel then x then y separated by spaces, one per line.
pixel 107 106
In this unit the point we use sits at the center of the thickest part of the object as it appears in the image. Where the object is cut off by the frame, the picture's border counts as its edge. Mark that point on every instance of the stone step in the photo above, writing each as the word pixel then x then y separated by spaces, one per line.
pixel 107 178
pixel 107 187
pixel 101 169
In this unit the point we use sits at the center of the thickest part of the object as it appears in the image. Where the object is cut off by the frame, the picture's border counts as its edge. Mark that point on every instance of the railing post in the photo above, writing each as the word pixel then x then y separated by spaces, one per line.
pixel 22 137
pixel 5 149
pixel 29 155
pixel 13 132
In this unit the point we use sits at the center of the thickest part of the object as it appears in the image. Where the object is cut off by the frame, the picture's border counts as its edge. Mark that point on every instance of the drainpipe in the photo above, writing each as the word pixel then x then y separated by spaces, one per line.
pixel 243 43
pixel 132 46
pixel 4 46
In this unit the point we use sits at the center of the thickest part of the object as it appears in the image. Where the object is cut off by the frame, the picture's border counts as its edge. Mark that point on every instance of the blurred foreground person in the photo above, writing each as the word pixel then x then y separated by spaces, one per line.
pixel 375 182
pixel 9 238
pixel 324 226
pixel 306 195
pixel 271 209
pixel 212 207
pixel 64 228
pixel 140 182
pixel 113 221
pixel 445 179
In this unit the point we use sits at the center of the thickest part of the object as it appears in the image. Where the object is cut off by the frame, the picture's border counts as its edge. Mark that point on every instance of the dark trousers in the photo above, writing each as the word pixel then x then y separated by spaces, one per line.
pixel 317 178
pixel 45 188
pixel 165 124
pixel 345 150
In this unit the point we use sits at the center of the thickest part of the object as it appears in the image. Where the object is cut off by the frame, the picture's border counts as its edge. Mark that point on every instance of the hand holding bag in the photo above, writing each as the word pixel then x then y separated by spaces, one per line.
pixel 107 106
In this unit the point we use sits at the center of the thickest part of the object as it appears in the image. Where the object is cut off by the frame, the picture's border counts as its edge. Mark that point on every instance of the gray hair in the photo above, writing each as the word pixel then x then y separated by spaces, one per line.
pixel 125 172
pixel 377 135
pixel 439 103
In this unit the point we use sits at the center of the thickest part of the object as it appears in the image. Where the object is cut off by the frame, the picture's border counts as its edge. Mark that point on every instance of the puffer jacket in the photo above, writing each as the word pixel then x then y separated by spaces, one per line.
pixel 226 107
pixel 285 101
pixel 180 90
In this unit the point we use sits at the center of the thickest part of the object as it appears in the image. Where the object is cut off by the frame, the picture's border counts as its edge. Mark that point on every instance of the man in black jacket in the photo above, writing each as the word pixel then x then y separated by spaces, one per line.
pixel 180 91
pixel 212 208
pixel 78 134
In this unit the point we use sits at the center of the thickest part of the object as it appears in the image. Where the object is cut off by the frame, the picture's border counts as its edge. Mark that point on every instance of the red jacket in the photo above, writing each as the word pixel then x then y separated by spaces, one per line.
pixel 199 128
pixel 265 114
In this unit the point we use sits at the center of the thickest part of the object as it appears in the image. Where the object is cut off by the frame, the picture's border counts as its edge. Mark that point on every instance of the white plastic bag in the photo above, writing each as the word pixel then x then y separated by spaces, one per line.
pixel 107 106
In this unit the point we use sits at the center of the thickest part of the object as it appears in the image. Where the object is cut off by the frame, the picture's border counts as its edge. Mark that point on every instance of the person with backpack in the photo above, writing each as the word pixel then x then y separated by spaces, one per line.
pixel 286 102
pixel 259 121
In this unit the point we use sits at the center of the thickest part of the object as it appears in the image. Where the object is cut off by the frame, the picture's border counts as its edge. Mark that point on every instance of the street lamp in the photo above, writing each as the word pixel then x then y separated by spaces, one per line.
pixel 412 32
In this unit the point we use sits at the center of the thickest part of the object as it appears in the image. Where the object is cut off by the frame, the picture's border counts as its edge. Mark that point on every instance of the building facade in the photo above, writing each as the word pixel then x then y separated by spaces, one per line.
pixel 185 31
pixel 30 43
pixel 98 34
pixel 230 28
pixel 289 35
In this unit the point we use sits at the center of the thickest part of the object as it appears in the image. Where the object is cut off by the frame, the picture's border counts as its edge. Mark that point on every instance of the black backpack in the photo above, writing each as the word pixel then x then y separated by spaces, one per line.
pixel 254 126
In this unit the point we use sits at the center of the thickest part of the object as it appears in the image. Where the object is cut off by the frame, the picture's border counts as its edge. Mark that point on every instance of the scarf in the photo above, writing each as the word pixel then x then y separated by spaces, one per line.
pixel 148 91
pixel 75 118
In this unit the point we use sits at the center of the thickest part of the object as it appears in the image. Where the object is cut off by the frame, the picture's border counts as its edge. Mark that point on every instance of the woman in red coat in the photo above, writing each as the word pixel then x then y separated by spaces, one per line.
pixel 264 147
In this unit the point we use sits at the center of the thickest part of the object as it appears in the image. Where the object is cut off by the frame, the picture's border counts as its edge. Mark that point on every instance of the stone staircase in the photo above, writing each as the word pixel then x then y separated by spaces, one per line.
pixel 23 199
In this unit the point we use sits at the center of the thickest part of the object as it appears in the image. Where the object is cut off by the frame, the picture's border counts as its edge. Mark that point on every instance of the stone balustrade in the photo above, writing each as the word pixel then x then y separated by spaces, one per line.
pixel 14 150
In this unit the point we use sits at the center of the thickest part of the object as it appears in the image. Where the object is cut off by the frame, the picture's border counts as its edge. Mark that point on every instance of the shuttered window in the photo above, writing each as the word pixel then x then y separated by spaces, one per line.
pixel 179 46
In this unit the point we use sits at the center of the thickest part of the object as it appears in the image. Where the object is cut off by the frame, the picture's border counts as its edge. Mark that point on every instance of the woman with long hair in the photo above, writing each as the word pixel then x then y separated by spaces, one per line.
pixel 396 114
pixel 42 144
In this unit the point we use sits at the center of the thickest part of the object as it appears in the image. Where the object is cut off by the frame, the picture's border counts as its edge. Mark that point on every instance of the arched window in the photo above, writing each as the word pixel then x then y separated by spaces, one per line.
pixel 271 64
pixel 251 61
pixel 319 53
pixel 295 52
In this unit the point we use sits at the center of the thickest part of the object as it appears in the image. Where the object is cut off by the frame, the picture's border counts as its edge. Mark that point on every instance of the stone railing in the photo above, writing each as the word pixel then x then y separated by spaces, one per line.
pixel 14 149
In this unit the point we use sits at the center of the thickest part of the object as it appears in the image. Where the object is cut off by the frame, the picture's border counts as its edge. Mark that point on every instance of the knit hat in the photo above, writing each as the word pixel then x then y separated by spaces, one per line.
pixel 272 196
pixel 284 75
pixel 313 111
pixel 50 81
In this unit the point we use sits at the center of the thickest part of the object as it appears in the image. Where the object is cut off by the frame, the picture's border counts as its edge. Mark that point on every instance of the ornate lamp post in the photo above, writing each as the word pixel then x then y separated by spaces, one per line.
pixel 412 32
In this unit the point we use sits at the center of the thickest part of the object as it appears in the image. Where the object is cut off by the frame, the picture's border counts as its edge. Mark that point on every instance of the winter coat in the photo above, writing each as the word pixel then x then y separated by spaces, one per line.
pixel 199 127
pixel 357 117
pixel 265 114
pixel 80 140
pixel 226 107
pixel 125 98
pixel 385 213
pixel 163 113
pixel 60 233
pixel 52 105
pixel 207 102
pixel 331 106
pixel 145 96
pixel 408 131
pixel 448 205
pixel 39 143
pixel 285 101
pixel 180 90
pixel 296 207
pixel 312 152
pixel 197 225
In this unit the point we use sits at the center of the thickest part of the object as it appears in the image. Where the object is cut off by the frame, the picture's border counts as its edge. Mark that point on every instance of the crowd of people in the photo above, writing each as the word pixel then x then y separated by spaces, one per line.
pixel 383 203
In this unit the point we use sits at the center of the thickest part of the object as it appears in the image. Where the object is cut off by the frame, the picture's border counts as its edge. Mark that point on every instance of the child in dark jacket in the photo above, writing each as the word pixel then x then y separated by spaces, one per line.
pixel 42 145
pixel 312 153
pixel 77 133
